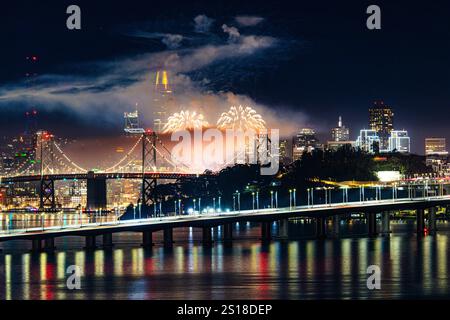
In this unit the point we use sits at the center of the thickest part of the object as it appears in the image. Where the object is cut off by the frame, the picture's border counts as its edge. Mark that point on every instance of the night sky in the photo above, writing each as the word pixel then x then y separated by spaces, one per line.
pixel 309 60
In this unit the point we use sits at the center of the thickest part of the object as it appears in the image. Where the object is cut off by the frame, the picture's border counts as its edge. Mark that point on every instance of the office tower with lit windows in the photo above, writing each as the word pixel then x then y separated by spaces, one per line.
pixel 399 141
pixel 436 146
pixel 368 141
pixel 163 96
pixel 305 140
pixel 381 120
pixel 340 133
pixel 437 155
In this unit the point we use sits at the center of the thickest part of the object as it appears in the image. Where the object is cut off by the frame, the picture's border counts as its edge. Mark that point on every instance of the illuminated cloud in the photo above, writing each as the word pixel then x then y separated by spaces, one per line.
pixel 172 41
pixel 233 33
pixel 248 21
pixel 202 23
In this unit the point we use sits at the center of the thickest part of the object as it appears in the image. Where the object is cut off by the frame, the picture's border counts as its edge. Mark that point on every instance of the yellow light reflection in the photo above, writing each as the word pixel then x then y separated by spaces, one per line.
pixel 118 262
pixel 26 275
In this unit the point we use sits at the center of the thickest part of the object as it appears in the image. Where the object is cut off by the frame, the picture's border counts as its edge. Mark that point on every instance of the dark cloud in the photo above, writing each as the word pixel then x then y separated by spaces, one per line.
pixel 202 23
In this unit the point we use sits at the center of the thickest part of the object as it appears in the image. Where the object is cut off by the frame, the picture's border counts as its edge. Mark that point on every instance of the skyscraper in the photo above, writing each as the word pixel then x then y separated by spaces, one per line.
pixel 305 140
pixel 368 141
pixel 381 120
pixel 399 141
pixel 340 133
pixel 436 146
pixel 162 100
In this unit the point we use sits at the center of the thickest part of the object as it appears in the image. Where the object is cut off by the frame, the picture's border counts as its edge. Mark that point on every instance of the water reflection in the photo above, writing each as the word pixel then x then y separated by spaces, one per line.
pixel 296 269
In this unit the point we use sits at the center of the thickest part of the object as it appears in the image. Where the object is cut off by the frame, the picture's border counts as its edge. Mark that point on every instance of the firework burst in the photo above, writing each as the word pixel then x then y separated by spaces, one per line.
pixel 185 120
pixel 241 118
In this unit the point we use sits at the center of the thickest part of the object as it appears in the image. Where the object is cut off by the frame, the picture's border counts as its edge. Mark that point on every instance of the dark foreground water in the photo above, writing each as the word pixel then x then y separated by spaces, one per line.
pixel 301 268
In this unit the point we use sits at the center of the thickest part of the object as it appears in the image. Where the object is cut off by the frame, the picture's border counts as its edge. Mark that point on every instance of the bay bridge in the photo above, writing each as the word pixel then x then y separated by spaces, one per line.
pixel 53 164
pixel 43 237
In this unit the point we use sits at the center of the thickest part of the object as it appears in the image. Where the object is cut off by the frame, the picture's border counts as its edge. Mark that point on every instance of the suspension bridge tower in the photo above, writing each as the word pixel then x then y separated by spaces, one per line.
pixel 148 193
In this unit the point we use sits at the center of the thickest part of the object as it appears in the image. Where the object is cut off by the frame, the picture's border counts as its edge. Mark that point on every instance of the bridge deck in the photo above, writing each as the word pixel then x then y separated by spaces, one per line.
pixel 214 219
pixel 100 175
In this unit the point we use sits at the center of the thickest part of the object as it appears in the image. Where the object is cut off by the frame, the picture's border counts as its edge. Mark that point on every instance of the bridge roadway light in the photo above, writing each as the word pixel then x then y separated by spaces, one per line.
pixel 238 200
pixel 194 204
pixel 140 210
pixel 295 197
pixel 290 199
pixel 253 201
pixel 220 206
pixel 271 199
pixel 179 207
pixel 257 200
pixel 276 199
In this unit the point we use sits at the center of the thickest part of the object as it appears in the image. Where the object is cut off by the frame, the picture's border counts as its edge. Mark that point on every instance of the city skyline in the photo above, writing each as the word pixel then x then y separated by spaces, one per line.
pixel 65 72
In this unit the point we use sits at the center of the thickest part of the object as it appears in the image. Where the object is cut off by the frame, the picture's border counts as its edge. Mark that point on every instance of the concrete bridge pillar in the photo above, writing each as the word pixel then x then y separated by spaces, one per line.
pixel 385 224
pixel 207 236
pixel 96 192
pixel 36 245
pixel 168 237
pixel 372 223
pixel 107 240
pixel 266 234
pixel 227 233
pixel 420 222
pixel 147 239
pixel 90 243
pixel 432 220
pixel 49 244
pixel 321 228
pixel 283 229
pixel 336 225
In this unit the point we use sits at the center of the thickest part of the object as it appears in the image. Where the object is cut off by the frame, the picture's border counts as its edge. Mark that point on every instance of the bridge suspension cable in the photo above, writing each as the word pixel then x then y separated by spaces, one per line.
pixel 68 159
pixel 125 157
pixel 176 165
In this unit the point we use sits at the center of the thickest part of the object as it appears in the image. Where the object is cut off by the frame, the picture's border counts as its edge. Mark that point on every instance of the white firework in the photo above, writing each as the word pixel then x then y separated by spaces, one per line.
pixel 241 118
pixel 185 120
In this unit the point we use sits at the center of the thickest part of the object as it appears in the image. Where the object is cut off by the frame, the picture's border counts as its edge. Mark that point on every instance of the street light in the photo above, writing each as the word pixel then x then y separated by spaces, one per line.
pixel 175 206
pixel 214 204
pixel 253 201
pixel 234 203
pixel 257 200
pixel 200 205
pixel 307 192
pixel 295 197
pixel 276 199
pixel 290 199
pixel 194 205
pixel 140 210
pixel 179 207
pixel 160 208
pixel 238 200
pixel 220 206
pixel 271 199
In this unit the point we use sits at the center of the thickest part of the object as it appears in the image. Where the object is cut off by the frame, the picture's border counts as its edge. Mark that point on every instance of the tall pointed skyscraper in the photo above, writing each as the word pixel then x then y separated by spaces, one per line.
pixel 340 133
pixel 162 100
